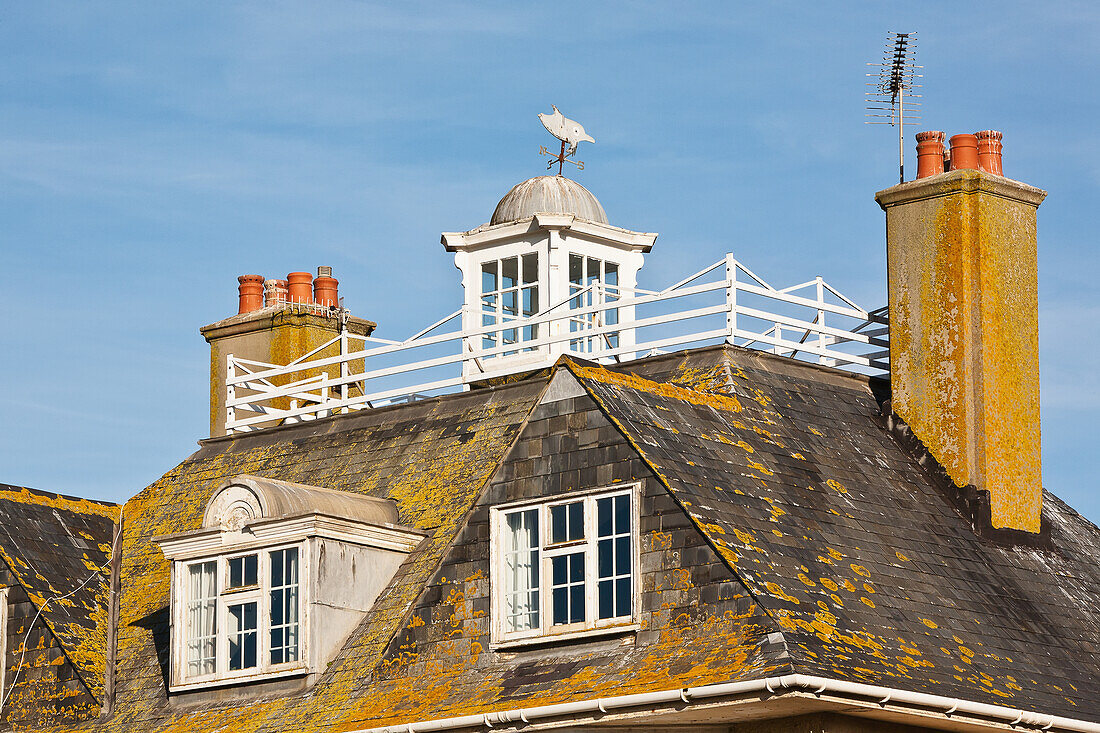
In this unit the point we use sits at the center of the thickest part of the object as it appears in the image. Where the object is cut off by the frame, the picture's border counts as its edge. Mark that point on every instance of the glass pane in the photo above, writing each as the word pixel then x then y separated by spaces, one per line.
pixel 489 277
pixel 607 599
pixel 243 571
pixel 576 604
pixel 605 558
pixel 509 272
pixel 592 271
pixel 530 301
pixel 604 528
pixel 622 514
pixel 559 570
pixel 561 606
pixel 622 555
pixel 557 524
pixel 576 269
pixel 509 303
pixel 576 569
pixel 242 636
pixel 530 268
pixel 576 520
pixel 611 274
pixel 622 596
pixel 521 570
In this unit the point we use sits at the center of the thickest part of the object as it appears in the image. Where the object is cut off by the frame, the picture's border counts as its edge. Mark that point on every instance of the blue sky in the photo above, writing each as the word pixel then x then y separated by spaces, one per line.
pixel 152 152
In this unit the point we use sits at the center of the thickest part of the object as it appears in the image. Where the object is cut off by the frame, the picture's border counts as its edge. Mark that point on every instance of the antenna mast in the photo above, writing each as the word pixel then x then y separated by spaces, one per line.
pixel 894 82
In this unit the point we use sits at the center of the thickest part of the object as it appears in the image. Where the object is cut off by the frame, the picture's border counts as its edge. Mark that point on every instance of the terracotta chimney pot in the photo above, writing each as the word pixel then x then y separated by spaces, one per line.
pixel 964 152
pixel 282 291
pixel 271 293
pixel 325 288
pixel 300 286
pixel 930 153
pixel 251 292
pixel 989 151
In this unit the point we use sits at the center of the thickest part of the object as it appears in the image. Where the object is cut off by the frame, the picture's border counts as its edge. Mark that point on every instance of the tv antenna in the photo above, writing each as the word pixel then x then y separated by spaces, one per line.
pixel 895 81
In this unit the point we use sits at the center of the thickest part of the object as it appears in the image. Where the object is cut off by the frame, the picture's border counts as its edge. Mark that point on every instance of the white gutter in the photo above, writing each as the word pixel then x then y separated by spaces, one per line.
pixel 772 685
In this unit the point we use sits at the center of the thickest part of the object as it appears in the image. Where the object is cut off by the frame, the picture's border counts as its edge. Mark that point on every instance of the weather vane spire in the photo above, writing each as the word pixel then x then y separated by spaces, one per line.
pixel 570 132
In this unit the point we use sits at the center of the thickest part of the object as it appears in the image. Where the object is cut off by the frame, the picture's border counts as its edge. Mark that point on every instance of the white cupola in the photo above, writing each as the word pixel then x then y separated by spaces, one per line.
pixel 543 277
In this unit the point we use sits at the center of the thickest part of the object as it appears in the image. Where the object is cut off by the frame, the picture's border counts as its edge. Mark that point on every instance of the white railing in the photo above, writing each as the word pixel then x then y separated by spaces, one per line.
pixel 811 320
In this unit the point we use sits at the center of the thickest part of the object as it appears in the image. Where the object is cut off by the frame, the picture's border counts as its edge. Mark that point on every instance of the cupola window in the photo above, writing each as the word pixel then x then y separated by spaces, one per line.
pixel 593 285
pixel 509 292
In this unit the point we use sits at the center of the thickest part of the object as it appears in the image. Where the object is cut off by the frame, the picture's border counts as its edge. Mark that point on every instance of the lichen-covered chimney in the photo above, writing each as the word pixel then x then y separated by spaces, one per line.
pixel 964 329
pixel 277 322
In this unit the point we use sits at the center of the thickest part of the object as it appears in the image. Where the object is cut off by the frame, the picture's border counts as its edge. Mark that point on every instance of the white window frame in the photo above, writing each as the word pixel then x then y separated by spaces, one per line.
pixel 591 625
pixel 226 597
pixel 602 295
pixel 496 316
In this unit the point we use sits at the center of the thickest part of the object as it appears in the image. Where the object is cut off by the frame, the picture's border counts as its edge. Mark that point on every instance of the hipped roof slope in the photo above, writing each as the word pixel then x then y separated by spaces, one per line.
pixel 58 547
pixel 853 547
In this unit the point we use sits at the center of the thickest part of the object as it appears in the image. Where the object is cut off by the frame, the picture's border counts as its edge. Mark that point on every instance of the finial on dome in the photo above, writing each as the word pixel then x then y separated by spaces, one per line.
pixel 569 132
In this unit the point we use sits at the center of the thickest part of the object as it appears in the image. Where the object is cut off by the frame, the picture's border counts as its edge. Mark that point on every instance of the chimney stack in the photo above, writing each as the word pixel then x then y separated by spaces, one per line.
pixel 277 321
pixel 964 331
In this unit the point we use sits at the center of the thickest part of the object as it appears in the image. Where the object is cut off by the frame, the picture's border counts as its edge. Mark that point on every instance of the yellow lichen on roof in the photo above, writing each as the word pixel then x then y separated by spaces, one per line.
pixel 673 391
pixel 71 504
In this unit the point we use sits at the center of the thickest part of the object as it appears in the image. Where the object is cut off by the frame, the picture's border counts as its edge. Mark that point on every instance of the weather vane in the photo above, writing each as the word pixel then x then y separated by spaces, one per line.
pixel 569 132
pixel 894 83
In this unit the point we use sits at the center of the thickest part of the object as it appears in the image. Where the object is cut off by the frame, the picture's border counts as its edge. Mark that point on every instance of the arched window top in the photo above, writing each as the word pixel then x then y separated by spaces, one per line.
pixel 243 499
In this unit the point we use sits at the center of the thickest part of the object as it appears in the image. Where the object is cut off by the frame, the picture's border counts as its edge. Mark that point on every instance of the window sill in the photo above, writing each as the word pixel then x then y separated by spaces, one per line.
pixel 239 679
pixel 597 633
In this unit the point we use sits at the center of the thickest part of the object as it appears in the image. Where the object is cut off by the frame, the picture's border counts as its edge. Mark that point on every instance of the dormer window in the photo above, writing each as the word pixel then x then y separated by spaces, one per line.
pixel 242 614
pixel 252 599
pixel 565 567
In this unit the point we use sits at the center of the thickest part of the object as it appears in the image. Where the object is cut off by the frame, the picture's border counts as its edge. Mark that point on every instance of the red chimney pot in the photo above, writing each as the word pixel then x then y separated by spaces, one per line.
pixel 251 293
pixel 930 153
pixel 964 152
pixel 325 288
pixel 300 286
pixel 989 151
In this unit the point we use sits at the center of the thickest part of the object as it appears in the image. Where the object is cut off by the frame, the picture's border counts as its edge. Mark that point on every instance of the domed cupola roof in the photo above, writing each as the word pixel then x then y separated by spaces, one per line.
pixel 548 195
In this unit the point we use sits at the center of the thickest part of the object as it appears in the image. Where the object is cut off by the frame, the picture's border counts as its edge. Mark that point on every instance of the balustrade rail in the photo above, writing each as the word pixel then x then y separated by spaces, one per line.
pixel 725 302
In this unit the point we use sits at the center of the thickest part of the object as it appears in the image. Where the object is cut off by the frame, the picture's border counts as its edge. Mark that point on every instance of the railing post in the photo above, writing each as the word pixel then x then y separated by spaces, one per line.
pixel 230 393
pixel 821 340
pixel 345 368
pixel 731 298
pixel 323 411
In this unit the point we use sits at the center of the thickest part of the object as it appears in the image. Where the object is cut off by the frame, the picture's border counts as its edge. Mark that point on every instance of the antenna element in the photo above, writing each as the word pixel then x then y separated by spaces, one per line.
pixel 894 82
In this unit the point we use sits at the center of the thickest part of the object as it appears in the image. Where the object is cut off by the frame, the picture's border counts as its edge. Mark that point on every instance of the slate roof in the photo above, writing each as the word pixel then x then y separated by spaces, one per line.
pixel 834 551
pixel 58 548
pixel 867 567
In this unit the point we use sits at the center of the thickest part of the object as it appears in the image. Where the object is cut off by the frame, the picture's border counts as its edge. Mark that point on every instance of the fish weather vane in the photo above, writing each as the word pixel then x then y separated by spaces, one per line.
pixel 569 132
pixel 894 83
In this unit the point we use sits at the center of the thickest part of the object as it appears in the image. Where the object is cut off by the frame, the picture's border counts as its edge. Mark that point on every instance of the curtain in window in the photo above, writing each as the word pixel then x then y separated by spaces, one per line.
pixel 202 618
pixel 521 570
